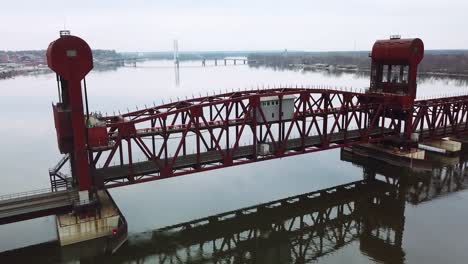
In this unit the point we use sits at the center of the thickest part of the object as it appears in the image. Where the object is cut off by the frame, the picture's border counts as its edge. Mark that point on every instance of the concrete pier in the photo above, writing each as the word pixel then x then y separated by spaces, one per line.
pixel 428 155
pixel 73 228
pixel 413 158
pixel 444 146
pixel 412 153
pixel 463 139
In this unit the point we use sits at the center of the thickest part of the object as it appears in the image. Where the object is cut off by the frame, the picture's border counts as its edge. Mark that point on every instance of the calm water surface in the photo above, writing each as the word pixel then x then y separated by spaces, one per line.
pixel 434 231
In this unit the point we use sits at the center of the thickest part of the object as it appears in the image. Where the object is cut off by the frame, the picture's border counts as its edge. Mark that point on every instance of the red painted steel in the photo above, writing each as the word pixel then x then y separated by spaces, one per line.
pixel 395 66
pixel 62 119
pixel 163 132
pixel 440 117
pixel 220 124
pixel 240 127
pixel 71 58
pixel 394 70
pixel 98 137
pixel 399 51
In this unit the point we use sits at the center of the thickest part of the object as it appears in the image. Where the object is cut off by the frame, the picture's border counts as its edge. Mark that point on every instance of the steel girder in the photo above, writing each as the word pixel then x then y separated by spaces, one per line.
pixel 224 130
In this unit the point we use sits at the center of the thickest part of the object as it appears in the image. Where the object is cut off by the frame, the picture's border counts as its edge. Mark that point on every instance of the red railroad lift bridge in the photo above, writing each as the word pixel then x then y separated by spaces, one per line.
pixel 217 131
pixel 240 127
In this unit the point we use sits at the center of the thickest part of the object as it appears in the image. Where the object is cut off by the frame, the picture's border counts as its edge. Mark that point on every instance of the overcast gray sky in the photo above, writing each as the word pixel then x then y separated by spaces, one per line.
pixel 144 25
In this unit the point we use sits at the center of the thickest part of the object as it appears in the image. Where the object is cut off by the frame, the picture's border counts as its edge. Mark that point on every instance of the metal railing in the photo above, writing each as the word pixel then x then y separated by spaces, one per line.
pixel 77 202
pixel 59 164
pixel 26 194
pixel 77 220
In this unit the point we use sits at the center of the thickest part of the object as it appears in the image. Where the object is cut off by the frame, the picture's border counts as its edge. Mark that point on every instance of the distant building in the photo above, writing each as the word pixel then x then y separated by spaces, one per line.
pixel 4 58
pixel 25 59
pixel 13 58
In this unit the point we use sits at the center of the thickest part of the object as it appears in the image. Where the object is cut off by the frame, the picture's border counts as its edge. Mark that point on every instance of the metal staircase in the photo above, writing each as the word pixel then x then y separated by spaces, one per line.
pixel 58 180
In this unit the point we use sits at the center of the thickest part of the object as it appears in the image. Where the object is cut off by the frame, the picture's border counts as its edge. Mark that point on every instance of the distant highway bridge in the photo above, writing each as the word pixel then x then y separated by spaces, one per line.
pixel 227 61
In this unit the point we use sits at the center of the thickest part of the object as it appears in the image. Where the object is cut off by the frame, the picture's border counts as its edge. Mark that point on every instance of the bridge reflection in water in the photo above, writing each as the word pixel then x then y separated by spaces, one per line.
pixel 299 229
pixel 293 230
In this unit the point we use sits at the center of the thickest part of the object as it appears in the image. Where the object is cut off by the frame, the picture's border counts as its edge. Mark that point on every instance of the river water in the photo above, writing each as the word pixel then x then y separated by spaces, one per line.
pixel 434 231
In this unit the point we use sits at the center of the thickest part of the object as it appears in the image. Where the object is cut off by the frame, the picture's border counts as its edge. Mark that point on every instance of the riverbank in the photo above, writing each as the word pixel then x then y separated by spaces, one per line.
pixel 355 69
pixel 11 72
pixel 441 63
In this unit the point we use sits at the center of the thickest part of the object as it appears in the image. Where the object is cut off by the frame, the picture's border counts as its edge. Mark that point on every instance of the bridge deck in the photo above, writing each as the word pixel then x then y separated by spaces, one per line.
pixel 117 172
pixel 35 205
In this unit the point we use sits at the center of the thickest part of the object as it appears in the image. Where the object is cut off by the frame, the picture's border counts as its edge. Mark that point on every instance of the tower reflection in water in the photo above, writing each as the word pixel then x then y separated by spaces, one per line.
pixel 299 229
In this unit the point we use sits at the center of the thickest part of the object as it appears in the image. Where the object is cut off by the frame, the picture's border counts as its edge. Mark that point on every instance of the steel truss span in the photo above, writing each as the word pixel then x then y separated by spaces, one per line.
pixel 238 128
pixel 241 127
pixel 441 116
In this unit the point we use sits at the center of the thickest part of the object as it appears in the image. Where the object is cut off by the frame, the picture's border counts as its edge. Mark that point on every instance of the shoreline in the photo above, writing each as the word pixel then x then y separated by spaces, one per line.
pixel 338 69
pixel 25 71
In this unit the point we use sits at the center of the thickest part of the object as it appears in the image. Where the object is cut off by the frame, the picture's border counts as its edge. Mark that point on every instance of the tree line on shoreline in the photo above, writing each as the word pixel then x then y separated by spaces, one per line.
pixel 443 62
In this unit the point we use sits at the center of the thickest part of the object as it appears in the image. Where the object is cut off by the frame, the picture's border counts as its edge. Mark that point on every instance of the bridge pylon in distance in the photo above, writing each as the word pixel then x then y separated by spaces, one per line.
pixel 394 72
pixel 71 58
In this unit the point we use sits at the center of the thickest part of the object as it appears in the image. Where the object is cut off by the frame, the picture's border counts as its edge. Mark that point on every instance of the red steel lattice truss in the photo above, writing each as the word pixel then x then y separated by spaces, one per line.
pixel 228 129
pixel 242 127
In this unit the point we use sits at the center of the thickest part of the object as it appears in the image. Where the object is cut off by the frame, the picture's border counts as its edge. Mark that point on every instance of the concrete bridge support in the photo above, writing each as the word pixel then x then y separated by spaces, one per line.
pixel 444 146
pixel 103 220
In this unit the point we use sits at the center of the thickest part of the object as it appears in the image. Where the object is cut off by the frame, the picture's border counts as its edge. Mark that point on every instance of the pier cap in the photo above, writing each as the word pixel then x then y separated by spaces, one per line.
pixel 70 57
pixel 396 50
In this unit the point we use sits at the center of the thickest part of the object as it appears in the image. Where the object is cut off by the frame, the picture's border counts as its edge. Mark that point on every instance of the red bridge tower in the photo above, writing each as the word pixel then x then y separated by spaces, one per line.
pixel 394 71
pixel 71 58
